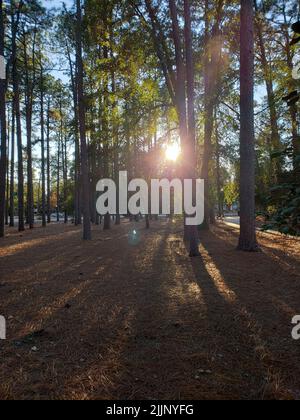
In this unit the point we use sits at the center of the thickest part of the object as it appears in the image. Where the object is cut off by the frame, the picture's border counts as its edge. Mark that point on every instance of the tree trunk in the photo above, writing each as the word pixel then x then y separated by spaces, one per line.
pixel 20 155
pixel 218 172
pixel 7 171
pixel 268 75
pixel 28 113
pixel 77 208
pixel 190 150
pixel 115 124
pixel 293 85
pixel 180 96
pixel 65 166
pixel 16 91
pixel 247 241
pixel 208 119
pixel 43 150
pixel 87 235
pixel 12 172
pixel 58 181
pixel 3 160
pixel 48 164
pixel 211 81
pixel 105 126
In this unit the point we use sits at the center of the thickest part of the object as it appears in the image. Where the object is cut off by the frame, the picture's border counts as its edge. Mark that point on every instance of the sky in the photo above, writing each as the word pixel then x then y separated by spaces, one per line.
pixel 57 3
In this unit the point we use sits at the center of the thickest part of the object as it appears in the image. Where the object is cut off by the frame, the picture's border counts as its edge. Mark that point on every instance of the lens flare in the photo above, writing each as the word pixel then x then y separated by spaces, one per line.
pixel 173 152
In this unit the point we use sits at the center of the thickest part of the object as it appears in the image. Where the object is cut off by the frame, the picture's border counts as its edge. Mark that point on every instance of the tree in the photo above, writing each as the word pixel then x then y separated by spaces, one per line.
pixel 190 152
pixel 212 54
pixel 12 173
pixel 16 12
pixel 3 158
pixel 247 241
pixel 268 75
pixel 177 82
pixel 231 193
pixel 87 235
pixel 42 123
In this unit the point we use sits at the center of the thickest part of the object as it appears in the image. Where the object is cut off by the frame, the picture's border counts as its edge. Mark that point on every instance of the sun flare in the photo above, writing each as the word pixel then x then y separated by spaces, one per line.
pixel 173 152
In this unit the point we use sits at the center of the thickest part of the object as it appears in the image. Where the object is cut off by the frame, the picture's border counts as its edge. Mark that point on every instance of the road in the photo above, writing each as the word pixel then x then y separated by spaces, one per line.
pixel 235 220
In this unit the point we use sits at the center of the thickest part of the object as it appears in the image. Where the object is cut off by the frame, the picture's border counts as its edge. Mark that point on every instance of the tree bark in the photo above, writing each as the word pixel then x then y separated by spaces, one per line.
pixel 268 75
pixel 74 83
pixel 58 180
pixel 247 241
pixel 211 82
pixel 190 149
pixel 7 171
pixel 28 113
pixel 48 163
pixel 218 172
pixel 181 98
pixel 293 85
pixel 105 125
pixel 16 99
pixel 3 160
pixel 44 222
pixel 12 172
pixel 87 234
pixel 65 166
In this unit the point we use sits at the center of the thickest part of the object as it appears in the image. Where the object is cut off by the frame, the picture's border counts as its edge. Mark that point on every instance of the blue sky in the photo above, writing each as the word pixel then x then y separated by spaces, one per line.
pixel 57 3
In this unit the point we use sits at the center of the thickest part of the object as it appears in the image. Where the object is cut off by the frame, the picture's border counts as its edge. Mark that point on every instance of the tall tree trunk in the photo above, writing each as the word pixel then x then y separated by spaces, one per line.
pixel 190 150
pixel 268 75
pixel 43 148
pixel 30 205
pixel 211 84
pixel 181 79
pixel 7 171
pixel 48 164
pixel 293 85
pixel 28 113
pixel 115 129
pixel 218 171
pixel 12 172
pixel 105 126
pixel 87 234
pixel 74 82
pixel 65 173
pixel 180 96
pixel 20 156
pixel 58 181
pixel 16 91
pixel 3 160
pixel 247 241
pixel 208 118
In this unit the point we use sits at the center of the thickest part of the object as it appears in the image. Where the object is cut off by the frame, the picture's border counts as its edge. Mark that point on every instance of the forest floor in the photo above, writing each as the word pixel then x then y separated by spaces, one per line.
pixel 132 317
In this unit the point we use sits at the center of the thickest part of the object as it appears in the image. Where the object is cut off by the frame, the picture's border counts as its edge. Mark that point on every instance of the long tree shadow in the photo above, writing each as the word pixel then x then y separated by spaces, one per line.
pixel 267 297
pixel 186 335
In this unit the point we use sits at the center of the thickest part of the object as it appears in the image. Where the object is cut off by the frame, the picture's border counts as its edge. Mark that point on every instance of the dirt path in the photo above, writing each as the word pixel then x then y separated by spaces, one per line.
pixel 130 316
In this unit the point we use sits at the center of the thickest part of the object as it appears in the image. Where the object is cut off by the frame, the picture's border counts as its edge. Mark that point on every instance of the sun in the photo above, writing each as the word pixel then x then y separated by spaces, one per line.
pixel 173 152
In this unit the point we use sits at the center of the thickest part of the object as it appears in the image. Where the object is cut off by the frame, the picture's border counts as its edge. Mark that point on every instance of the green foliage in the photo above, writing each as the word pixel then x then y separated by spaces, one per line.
pixel 231 193
pixel 284 203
